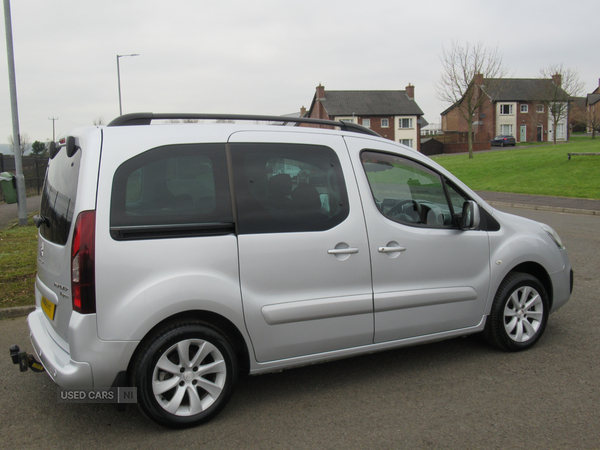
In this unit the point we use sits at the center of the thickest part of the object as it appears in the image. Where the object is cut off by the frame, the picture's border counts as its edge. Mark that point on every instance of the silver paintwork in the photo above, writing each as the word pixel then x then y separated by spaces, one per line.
pixel 366 285
pixel 523 314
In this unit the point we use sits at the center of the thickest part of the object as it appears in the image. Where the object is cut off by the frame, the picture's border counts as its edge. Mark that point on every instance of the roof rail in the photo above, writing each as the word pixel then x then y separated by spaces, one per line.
pixel 147 118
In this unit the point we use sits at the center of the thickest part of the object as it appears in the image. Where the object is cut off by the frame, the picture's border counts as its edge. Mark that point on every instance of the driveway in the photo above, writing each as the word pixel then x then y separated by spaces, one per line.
pixel 9 214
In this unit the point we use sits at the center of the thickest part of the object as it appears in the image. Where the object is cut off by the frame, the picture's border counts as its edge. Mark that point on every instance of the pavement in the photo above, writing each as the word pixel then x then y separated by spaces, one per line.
pixel 9 214
pixel 542 202
pixel 9 217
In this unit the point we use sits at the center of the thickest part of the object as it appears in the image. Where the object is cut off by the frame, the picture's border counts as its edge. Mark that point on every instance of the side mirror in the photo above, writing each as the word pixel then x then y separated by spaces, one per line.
pixel 470 216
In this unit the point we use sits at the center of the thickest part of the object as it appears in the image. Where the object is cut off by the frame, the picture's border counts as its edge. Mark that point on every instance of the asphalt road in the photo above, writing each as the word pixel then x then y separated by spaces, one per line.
pixel 456 394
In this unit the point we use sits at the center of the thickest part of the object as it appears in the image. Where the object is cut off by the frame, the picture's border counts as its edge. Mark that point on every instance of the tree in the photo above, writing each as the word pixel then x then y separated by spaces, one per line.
pixel 38 148
pixel 593 115
pixel 562 84
pixel 461 83
pixel 23 142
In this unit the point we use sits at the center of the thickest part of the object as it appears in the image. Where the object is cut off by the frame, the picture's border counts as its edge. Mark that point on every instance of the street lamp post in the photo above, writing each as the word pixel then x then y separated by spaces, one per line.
pixel 21 194
pixel 53 119
pixel 119 79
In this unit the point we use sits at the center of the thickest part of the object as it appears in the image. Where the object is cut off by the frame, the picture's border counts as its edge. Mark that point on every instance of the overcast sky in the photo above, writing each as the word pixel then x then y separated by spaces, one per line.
pixel 266 56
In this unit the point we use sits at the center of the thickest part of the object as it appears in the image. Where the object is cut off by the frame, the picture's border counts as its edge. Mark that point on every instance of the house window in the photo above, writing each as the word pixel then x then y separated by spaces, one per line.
pixel 506 129
pixel 560 131
pixel 524 108
pixel 539 108
pixel 506 110
pixel 406 123
pixel 407 142
pixel 385 123
pixel 366 123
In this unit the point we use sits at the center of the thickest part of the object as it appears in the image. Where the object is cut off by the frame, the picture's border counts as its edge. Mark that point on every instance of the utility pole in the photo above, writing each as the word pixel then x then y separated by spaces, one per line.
pixel 53 119
pixel 21 195
pixel 119 79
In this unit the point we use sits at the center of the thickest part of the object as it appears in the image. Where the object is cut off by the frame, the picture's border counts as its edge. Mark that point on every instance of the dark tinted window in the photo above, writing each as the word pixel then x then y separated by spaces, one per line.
pixel 171 191
pixel 58 197
pixel 288 188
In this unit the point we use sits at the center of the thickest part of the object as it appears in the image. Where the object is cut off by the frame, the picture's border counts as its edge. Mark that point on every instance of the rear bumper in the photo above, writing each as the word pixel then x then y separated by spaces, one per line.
pixel 58 364
pixel 90 362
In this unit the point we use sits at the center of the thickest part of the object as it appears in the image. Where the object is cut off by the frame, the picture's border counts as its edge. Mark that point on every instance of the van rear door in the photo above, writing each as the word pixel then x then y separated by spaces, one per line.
pixel 58 210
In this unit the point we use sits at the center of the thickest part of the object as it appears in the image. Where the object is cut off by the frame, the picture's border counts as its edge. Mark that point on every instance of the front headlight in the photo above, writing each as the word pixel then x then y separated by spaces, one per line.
pixel 553 235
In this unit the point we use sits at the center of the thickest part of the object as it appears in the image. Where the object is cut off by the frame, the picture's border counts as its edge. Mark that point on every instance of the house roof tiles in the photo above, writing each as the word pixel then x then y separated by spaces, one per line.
pixel 593 99
pixel 369 103
pixel 519 89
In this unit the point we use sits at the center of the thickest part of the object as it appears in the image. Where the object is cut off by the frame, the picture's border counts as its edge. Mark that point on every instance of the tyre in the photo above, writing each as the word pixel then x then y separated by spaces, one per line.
pixel 519 313
pixel 184 374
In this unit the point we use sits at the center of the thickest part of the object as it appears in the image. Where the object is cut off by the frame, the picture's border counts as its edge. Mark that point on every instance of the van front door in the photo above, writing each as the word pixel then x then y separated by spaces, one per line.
pixel 304 260
pixel 428 275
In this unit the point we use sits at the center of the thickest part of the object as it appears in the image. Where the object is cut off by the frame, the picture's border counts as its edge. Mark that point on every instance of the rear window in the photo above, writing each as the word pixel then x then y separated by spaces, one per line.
pixel 58 197
pixel 172 191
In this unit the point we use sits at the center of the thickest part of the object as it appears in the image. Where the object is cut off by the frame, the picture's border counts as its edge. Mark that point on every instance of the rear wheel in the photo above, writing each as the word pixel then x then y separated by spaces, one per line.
pixel 185 374
pixel 519 313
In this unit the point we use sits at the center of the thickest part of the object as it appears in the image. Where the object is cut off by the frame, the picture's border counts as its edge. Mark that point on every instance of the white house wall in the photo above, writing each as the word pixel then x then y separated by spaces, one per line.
pixel 406 133
pixel 564 121
pixel 506 119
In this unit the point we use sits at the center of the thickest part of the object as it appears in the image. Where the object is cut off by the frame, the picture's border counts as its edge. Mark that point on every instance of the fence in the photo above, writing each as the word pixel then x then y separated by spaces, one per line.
pixel 34 171
pixel 457 142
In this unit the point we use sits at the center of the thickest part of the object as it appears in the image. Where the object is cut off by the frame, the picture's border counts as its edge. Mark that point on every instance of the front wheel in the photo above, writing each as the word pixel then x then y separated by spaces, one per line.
pixel 519 313
pixel 185 374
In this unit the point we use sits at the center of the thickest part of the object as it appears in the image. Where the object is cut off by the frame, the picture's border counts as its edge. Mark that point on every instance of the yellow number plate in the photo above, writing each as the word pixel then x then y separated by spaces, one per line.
pixel 48 307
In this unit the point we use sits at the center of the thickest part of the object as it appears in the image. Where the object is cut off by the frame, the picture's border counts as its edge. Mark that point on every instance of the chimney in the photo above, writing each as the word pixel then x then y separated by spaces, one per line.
pixel 320 92
pixel 410 91
pixel 478 79
pixel 557 79
pixel 302 111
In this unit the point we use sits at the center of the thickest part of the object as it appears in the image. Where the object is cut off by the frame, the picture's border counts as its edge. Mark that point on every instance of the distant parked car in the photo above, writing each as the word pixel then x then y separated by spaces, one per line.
pixel 503 140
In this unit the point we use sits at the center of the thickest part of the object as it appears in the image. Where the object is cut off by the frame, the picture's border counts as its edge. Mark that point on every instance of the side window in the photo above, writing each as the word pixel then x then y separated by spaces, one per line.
pixel 288 188
pixel 457 199
pixel 410 193
pixel 171 191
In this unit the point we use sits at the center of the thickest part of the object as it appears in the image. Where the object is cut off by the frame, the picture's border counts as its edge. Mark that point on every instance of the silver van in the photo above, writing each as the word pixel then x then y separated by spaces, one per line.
pixel 173 256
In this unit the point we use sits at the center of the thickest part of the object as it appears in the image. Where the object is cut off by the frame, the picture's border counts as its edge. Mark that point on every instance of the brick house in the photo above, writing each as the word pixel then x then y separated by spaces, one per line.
pixel 393 114
pixel 513 106
pixel 577 114
pixel 592 104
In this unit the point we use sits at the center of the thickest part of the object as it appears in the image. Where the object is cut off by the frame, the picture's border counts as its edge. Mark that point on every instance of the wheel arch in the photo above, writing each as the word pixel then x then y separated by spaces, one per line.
pixel 536 270
pixel 214 320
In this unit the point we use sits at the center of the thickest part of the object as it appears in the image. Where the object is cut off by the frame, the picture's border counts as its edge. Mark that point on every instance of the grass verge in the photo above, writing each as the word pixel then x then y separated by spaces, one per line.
pixel 18 265
pixel 537 171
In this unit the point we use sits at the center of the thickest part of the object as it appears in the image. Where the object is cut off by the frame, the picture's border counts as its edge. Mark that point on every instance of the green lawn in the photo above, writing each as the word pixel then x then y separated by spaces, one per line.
pixel 17 265
pixel 542 170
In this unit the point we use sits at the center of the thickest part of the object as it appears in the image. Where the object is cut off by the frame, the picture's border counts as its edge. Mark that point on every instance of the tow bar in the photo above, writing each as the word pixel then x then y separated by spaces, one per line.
pixel 24 360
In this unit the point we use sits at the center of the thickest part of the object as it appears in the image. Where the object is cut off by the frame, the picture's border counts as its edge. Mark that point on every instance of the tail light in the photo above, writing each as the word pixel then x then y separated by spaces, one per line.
pixel 83 252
